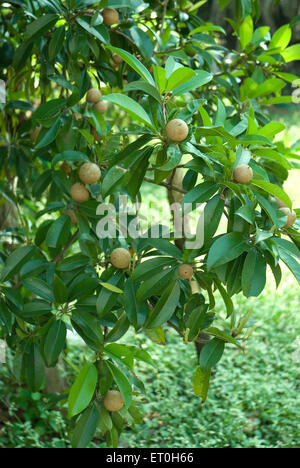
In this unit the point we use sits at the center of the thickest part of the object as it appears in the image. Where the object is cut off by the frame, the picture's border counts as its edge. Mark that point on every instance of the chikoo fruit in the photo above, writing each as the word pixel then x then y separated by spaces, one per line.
pixel 243 174
pixel 89 173
pixel 113 401
pixel 177 130
pixel 185 271
pixel 79 193
pixel 120 258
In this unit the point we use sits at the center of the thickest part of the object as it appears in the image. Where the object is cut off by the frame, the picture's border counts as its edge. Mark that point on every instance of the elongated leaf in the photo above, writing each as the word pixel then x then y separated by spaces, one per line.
pixel 122 382
pixel 273 190
pixel 226 248
pixel 40 26
pixel 82 390
pixel 211 354
pixel 134 63
pixel 86 427
pixel 39 287
pixel 55 342
pixel 98 32
pixel 201 383
pixel 254 274
pixel 165 307
pixel 34 368
pixel 16 260
pixel 56 42
pixel 134 109
pixel 59 232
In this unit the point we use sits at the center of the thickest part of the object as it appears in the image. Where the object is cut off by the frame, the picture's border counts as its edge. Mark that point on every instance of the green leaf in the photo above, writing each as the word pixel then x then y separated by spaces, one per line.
pixel 145 87
pixel 34 368
pixel 55 342
pixel 150 267
pixel 134 63
pixel 165 307
pixel 211 354
pixel 223 336
pixel 201 193
pixel 16 260
pixel 60 290
pixel 134 109
pixel 99 32
pixel 59 232
pixel 291 53
pixel 254 274
pixel 39 288
pixel 178 77
pixel 273 190
pixel 107 299
pixel 160 78
pixel 82 390
pixel 281 38
pixel 36 29
pixel 213 212
pixel 105 422
pixel 143 41
pixel 50 136
pixel 56 43
pixel 226 298
pixel 201 383
pixel 246 31
pixel 88 327
pixel 49 110
pixel 226 248
pixel 122 383
pixel 70 156
pixel 85 428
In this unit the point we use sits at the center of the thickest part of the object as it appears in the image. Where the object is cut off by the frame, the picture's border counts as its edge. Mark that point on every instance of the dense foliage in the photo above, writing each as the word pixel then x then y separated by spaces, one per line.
pixel 180 110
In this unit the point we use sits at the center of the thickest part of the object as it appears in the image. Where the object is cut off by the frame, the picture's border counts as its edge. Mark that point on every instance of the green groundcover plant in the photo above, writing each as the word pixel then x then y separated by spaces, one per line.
pixel 97 100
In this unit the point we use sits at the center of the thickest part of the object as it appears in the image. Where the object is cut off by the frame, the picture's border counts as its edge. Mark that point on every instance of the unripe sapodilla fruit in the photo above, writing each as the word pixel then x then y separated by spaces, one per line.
pixel 291 216
pixel 110 16
pixel 79 193
pixel 243 174
pixel 89 173
pixel 177 130
pixel 120 258
pixel 185 271
pixel 101 106
pixel 117 59
pixel 113 401
pixel 93 95
pixel 72 215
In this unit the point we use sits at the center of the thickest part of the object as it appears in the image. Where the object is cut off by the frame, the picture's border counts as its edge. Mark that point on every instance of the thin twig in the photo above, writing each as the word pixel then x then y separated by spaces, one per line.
pixel 164 184
pixel 61 256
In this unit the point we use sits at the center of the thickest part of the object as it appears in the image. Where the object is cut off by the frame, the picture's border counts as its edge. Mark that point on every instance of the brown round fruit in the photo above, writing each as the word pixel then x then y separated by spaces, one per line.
pixel 280 203
pixel 243 174
pixel 185 271
pixel 101 106
pixel 93 95
pixel 177 130
pixel 89 173
pixel 110 16
pixel 66 168
pixel 72 215
pixel 113 401
pixel 117 59
pixel 79 193
pixel 120 258
pixel 291 216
